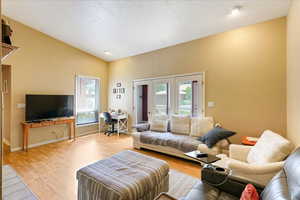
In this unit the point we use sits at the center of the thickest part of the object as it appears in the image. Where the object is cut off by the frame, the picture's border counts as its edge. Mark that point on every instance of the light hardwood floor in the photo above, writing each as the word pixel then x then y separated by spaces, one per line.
pixel 50 170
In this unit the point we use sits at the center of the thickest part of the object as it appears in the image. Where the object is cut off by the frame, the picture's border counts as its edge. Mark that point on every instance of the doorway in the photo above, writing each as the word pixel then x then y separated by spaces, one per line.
pixel 6 104
pixel 142 104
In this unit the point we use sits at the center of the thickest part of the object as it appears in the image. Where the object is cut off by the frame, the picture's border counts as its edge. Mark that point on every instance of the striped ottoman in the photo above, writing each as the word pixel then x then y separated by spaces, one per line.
pixel 126 175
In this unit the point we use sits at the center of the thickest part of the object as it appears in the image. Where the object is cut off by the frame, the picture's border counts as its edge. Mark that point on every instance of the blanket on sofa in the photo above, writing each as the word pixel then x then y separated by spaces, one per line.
pixel 183 143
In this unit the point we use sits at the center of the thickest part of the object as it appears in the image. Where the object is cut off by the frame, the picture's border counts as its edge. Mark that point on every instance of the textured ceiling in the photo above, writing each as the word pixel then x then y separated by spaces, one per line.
pixel 130 27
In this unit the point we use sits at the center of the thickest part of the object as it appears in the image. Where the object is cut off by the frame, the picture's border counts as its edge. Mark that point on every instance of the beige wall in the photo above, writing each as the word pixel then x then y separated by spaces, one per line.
pixel 245 75
pixel 293 72
pixel 44 65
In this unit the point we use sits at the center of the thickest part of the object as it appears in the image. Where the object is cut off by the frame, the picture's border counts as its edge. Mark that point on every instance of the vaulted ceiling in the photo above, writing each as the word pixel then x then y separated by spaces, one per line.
pixel 114 29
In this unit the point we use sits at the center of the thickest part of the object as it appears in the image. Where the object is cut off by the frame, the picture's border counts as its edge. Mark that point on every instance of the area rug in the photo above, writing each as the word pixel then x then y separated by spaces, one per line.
pixel 13 186
pixel 180 184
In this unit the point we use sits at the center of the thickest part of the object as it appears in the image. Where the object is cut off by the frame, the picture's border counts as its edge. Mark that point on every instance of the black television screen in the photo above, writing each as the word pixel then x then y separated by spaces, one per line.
pixel 39 107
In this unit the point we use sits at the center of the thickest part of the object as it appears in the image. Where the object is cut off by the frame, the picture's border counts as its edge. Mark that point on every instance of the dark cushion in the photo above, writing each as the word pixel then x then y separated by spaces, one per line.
pixel 215 135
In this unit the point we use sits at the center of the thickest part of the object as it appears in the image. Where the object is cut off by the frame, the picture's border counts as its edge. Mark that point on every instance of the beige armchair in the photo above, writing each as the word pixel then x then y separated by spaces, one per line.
pixel 237 162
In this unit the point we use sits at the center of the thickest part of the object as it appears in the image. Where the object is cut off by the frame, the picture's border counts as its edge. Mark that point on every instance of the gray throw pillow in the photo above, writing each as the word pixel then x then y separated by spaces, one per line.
pixel 216 134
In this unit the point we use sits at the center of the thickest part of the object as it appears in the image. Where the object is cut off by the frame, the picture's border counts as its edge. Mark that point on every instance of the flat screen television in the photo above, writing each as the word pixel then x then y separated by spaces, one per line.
pixel 41 107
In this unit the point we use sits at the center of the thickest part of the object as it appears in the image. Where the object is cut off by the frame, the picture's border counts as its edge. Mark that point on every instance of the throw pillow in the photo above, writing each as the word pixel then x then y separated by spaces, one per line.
pixel 270 147
pixel 249 193
pixel 180 124
pixel 200 126
pixel 158 123
pixel 215 135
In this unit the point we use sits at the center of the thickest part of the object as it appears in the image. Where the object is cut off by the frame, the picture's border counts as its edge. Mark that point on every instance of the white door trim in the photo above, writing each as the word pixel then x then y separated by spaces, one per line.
pixel 172 80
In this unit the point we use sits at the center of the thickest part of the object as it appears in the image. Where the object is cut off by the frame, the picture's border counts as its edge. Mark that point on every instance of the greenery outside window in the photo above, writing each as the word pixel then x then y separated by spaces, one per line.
pixel 87 100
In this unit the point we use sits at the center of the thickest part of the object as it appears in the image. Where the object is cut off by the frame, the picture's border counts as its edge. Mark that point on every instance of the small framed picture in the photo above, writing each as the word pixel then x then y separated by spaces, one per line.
pixel 119 84
pixel 114 90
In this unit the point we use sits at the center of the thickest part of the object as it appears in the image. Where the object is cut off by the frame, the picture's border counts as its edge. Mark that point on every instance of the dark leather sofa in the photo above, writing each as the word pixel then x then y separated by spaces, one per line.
pixel 284 186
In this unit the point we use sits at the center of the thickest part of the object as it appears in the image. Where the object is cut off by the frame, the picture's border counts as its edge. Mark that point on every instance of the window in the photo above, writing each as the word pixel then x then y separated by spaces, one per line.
pixel 87 100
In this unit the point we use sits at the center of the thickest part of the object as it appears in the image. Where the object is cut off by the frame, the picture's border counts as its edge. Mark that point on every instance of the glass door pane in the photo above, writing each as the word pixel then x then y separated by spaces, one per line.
pixel 161 98
pixel 189 96
pixel 185 102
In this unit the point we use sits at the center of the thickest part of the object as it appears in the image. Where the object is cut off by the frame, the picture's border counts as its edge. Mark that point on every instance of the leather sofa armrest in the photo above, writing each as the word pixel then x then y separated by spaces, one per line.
pixel 239 152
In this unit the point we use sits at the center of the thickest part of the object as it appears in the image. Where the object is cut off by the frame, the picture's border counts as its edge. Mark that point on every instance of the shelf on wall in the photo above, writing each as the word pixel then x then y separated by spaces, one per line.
pixel 7 50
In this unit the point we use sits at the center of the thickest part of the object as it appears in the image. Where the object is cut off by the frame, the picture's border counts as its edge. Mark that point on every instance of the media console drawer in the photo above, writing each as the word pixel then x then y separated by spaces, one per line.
pixel 65 121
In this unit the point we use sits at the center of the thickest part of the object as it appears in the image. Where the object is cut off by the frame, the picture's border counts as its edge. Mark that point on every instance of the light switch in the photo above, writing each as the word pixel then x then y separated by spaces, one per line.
pixel 21 105
pixel 211 104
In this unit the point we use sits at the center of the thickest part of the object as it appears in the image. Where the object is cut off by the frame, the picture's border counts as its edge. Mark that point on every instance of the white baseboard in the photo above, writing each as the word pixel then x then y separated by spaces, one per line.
pixel 40 143
pixel 87 133
pixel 5 141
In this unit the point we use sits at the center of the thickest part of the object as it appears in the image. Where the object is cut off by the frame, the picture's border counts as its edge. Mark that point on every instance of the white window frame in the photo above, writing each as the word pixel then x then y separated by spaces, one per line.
pixel 99 98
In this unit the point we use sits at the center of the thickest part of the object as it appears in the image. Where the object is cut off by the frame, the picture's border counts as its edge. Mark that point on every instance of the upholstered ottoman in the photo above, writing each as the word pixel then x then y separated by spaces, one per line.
pixel 127 175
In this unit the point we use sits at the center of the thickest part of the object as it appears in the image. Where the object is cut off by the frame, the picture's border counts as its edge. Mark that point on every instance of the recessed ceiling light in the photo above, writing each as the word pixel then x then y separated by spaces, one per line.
pixel 107 53
pixel 236 11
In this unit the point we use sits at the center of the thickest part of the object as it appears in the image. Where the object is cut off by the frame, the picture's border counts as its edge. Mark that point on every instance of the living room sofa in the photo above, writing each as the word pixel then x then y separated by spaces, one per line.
pixel 285 185
pixel 177 144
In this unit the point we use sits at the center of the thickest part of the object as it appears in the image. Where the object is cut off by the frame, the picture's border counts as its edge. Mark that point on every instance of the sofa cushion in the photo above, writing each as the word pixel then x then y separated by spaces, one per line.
pixel 159 123
pixel 200 126
pixel 215 135
pixel 180 124
pixel 182 143
pixel 250 193
pixel 270 147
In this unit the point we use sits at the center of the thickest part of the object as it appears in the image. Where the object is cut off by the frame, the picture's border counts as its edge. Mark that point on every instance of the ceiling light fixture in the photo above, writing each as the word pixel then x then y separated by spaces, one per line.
pixel 107 53
pixel 236 11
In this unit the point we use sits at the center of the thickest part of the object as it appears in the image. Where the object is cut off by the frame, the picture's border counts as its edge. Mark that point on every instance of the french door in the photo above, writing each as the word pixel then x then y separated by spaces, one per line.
pixel 161 90
pixel 188 95
pixel 165 96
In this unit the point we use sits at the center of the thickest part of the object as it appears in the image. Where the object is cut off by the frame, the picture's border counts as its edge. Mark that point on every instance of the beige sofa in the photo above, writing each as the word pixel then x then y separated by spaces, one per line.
pixel 220 148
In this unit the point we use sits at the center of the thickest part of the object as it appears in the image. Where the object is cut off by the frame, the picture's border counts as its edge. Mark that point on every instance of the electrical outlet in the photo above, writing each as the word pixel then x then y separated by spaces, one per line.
pixel 211 104
pixel 21 105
